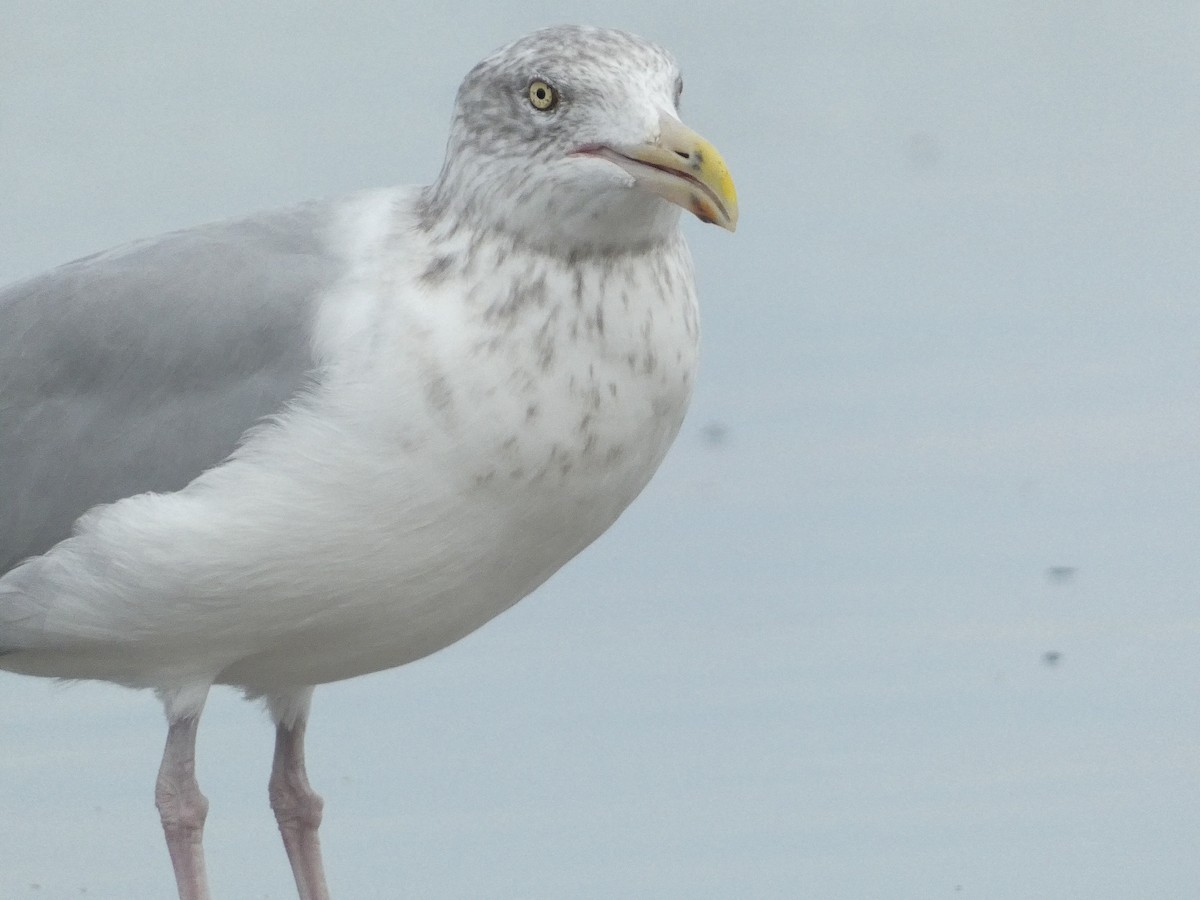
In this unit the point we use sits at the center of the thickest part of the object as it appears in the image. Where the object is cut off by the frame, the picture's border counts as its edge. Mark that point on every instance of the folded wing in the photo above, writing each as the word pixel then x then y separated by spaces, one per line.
pixel 137 369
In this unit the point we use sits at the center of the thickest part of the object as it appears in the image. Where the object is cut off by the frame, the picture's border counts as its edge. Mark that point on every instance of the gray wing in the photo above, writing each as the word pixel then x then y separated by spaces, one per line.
pixel 137 369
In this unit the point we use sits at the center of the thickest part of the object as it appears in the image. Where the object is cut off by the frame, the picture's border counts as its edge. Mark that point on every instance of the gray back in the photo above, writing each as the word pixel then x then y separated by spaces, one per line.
pixel 137 369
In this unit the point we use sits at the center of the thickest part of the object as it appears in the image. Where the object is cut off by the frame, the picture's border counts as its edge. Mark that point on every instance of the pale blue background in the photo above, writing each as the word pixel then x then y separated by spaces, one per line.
pixel 954 343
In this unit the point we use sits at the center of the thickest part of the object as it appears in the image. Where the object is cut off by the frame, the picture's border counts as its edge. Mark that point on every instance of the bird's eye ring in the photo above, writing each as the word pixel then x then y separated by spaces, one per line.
pixel 542 96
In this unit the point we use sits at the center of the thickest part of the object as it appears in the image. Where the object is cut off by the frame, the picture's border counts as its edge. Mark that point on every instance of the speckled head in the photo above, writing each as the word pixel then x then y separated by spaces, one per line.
pixel 569 138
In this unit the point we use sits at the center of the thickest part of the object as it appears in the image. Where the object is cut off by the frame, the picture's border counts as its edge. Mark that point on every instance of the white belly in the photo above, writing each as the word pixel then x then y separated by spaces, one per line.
pixel 425 487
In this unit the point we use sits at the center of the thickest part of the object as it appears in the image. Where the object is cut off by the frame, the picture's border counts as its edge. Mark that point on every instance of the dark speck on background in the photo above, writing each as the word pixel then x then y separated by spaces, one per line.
pixel 1060 574
pixel 714 434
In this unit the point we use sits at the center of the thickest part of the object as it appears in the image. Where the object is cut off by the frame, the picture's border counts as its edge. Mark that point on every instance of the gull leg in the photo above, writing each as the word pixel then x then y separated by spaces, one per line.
pixel 183 808
pixel 297 806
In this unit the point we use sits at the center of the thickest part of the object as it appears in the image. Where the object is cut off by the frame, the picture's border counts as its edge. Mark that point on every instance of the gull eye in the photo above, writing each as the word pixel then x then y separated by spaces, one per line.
pixel 542 96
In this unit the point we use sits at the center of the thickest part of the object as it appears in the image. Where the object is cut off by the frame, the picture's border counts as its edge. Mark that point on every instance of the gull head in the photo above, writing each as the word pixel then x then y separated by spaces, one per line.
pixel 570 140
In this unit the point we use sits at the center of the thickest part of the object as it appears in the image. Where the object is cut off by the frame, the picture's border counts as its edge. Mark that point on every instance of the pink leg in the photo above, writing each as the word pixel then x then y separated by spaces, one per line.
pixel 183 808
pixel 298 807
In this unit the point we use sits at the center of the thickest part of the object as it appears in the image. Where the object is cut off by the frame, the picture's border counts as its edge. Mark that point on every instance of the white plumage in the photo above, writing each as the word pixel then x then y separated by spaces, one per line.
pixel 370 427
pixel 425 483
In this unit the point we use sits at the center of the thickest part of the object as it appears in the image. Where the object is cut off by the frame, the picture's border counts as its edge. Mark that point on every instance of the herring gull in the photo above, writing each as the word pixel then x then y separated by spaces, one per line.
pixel 311 444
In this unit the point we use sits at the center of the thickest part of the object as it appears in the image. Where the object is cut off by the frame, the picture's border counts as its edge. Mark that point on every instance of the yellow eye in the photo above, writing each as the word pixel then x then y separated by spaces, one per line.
pixel 542 96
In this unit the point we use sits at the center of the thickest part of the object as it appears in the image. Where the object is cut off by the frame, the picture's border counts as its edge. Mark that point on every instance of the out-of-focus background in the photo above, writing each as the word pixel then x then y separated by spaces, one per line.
pixel 911 610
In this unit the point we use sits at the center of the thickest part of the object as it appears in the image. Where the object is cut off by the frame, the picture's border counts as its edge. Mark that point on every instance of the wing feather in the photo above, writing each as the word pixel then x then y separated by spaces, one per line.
pixel 137 369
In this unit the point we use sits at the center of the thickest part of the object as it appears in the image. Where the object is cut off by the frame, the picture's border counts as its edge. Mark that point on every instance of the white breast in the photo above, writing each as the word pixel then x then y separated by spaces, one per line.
pixel 478 423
